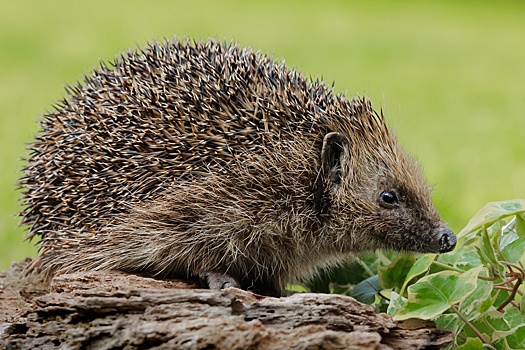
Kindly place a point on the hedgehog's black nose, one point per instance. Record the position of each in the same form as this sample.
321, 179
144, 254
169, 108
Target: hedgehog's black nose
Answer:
447, 240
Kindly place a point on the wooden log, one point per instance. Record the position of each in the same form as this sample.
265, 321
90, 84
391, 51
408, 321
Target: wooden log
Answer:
112, 310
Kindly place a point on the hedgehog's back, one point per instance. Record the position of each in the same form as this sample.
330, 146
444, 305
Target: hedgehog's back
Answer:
169, 114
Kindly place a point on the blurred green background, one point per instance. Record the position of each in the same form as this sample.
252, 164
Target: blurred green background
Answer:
449, 76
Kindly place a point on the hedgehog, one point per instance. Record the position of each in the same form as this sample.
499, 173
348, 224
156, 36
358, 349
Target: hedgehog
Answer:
206, 160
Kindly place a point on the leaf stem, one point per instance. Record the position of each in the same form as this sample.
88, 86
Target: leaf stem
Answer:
512, 295
517, 267
447, 267
519, 276
383, 297
470, 325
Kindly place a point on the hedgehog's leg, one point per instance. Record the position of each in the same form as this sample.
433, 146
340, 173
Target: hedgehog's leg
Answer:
219, 280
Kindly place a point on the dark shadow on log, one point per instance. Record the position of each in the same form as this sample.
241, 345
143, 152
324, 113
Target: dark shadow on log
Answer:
111, 310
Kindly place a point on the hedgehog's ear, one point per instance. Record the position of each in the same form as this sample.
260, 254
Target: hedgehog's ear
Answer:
331, 154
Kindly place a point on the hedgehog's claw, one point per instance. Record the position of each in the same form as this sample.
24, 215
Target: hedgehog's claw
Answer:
219, 280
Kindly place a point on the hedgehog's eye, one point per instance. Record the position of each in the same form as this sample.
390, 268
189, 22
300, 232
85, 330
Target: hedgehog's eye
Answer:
388, 199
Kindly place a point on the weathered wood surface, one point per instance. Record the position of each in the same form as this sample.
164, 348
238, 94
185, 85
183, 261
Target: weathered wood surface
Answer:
109, 310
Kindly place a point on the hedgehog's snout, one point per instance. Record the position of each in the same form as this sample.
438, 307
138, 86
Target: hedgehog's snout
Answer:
447, 240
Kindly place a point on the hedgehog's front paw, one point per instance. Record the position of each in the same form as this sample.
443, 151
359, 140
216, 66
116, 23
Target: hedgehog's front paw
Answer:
219, 280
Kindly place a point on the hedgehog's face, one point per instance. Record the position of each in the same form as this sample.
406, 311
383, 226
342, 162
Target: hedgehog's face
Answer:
381, 203
408, 221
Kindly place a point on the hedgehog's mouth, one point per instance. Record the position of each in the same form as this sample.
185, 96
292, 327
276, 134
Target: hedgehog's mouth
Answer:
438, 240
442, 240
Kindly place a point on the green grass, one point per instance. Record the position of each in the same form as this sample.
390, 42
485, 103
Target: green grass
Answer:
449, 76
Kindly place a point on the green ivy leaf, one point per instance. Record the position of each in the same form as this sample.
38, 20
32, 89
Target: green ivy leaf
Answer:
339, 279
495, 321
487, 253
396, 301
514, 318
493, 212
420, 267
514, 251
464, 257
474, 304
297, 288
503, 328
520, 225
513, 338
471, 344
487, 304
366, 290
394, 274
434, 294
447, 321
508, 234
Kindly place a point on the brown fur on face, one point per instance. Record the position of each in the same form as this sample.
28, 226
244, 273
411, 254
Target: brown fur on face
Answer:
190, 159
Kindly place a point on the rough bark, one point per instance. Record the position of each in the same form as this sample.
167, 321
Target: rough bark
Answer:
111, 310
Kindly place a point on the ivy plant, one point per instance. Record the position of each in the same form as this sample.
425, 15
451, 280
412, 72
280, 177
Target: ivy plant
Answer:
477, 291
